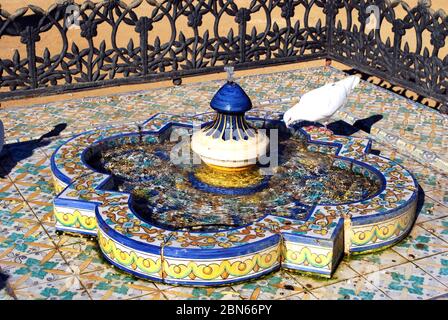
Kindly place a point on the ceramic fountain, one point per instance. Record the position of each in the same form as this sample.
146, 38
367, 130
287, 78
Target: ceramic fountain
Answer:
225, 220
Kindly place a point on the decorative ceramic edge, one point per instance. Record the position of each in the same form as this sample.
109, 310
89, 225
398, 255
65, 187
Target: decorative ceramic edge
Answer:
76, 215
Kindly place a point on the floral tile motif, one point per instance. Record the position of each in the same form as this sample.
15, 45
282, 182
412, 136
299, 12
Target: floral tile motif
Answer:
420, 243
407, 282
440, 195
84, 256
112, 284
428, 178
438, 227
191, 293
8, 191
24, 236
305, 295
343, 272
430, 210
54, 290
274, 286
15, 212
368, 263
44, 265
437, 266
27, 270
352, 289
22, 124
49, 145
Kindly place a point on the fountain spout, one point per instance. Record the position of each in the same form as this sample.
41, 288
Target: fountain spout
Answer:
230, 143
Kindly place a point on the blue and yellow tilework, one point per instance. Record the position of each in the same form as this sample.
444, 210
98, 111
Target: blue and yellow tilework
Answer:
44, 265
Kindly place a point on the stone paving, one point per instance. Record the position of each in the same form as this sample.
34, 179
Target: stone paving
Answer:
44, 265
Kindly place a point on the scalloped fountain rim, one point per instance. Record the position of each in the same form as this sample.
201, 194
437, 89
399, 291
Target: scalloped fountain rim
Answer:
237, 254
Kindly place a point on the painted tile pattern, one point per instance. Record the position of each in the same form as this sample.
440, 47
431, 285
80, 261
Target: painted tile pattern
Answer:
313, 244
401, 274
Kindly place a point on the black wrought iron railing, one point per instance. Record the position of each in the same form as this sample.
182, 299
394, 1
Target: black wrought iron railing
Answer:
113, 42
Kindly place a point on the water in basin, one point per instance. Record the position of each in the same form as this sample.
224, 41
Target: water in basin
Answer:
163, 194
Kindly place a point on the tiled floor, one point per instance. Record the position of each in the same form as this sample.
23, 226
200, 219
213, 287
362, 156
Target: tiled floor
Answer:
44, 265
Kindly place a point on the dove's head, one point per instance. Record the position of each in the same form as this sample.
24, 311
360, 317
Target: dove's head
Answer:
350, 83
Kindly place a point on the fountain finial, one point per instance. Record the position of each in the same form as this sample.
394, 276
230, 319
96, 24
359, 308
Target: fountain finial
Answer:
230, 73
230, 142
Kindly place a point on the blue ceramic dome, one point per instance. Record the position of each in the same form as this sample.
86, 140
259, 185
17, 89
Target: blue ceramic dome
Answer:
231, 98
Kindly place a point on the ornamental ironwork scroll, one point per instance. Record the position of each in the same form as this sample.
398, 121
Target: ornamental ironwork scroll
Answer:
201, 36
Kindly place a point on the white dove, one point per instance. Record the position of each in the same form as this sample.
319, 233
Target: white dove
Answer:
322, 103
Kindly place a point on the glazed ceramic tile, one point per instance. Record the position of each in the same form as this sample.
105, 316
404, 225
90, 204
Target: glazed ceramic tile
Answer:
431, 210
442, 297
440, 195
407, 282
367, 263
44, 265
343, 272
114, 284
438, 227
189, 293
15, 212
274, 286
84, 256
437, 266
48, 146
353, 289
25, 236
54, 290
31, 269
154, 295
420, 243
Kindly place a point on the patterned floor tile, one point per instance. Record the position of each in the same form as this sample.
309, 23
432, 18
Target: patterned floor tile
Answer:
156, 295
437, 266
45, 265
55, 290
431, 210
420, 243
14, 212
352, 289
300, 296
274, 286
22, 123
84, 256
113, 284
442, 297
438, 227
27, 270
367, 263
428, 178
24, 236
190, 293
49, 146
407, 282
440, 195
343, 272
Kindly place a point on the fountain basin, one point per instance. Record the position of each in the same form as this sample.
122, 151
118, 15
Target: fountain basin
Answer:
313, 240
